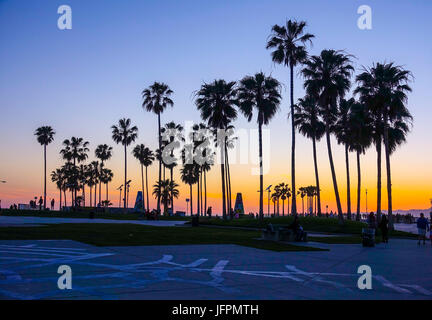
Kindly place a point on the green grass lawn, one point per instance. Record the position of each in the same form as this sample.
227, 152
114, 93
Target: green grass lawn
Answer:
137, 235
313, 224
80, 214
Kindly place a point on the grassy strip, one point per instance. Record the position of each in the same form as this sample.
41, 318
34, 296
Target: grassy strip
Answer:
314, 224
80, 214
137, 235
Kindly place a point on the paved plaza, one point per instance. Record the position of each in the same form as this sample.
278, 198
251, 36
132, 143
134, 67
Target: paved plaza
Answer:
28, 270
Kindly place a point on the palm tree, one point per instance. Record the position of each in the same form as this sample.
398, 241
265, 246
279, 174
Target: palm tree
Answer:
75, 150
44, 135
216, 103
189, 175
58, 178
95, 173
103, 152
343, 132
328, 78
362, 135
302, 192
263, 94
383, 88
289, 44
277, 194
283, 193
106, 177
174, 136
164, 189
145, 156
156, 99
82, 178
125, 134
311, 126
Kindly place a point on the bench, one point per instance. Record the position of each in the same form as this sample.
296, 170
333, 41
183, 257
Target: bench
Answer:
281, 233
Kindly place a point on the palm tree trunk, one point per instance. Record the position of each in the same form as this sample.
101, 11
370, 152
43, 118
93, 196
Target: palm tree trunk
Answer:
294, 202
65, 200
348, 183
283, 208
160, 161
228, 181
198, 195
60, 205
201, 192
100, 184
335, 186
223, 180
288, 213
378, 147
125, 179
45, 176
91, 190
142, 184
84, 197
318, 201
106, 184
95, 195
205, 190
172, 196
191, 200
358, 186
148, 205
261, 204
388, 171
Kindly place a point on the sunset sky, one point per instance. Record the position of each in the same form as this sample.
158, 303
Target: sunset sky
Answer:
82, 81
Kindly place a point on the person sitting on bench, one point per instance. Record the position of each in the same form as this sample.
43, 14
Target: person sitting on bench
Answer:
297, 229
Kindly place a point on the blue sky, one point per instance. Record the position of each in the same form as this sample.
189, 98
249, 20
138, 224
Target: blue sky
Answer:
81, 81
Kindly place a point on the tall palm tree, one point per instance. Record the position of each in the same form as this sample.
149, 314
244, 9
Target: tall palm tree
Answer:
75, 150
44, 135
156, 99
174, 137
216, 103
311, 126
328, 78
103, 152
362, 131
302, 192
124, 133
163, 189
145, 156
262, 93
289, 44
344, 135
383, 88
189, 175
283, 193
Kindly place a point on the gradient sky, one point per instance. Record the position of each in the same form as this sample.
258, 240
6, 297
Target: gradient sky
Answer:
81, 81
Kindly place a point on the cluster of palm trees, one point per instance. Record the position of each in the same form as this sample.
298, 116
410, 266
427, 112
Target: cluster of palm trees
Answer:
375, 114
74, 175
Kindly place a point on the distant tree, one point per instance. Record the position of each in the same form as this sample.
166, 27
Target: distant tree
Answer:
156, 99
262, 94
45, 135
289, 44
124, 134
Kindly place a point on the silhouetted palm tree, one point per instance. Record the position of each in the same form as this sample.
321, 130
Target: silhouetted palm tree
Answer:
344, 135
311, 126
362, 136
216, 103
103, 152
289, 44
124, 134
262, 93
58, 178
156, 99
164, 189
145, 156
189, 175
106, 177
45, 135
75, 150
174, 137
328, 78
383, 88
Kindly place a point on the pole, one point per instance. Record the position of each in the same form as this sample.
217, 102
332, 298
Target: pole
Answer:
366, 203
